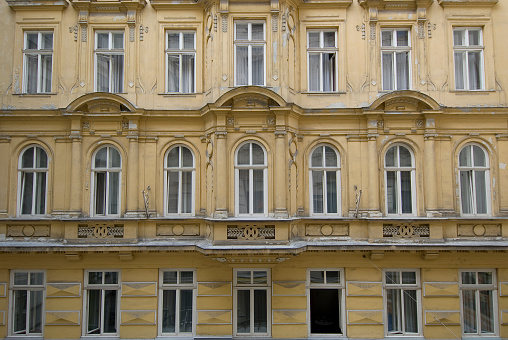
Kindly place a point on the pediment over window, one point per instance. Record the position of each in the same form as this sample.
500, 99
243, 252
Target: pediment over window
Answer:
109, 5
396, 4
468, 3
251, 97
404, 101
101, 103
38, 4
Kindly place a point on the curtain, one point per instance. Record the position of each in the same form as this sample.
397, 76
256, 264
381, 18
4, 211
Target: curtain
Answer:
486, 311
466, 191
173, 73
172, 190
402, 60
31, 61
405, 192
258, 186
186, 192
40, 192
46, 72
474, 70
27, 179
20, 304
35, 314
314, 74
258, 61
469, 311
410, 311
113, 192
117, 73
243, 191
317, 191
242, 65
387, 68
393, 308
331, 191
102, 72
328, 72
459, 70
188, 73
481, 192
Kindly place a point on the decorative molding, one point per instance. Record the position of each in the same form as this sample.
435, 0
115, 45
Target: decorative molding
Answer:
440, 318
135, 289
3, 289
504, 317
289, 288
29, 230
214, 289
440, 289
178, 230
2, 318
259, 259
479, 230
224, 17
363, 288
63, 318
468, 3
361, 28
406, 230
101, 231
251, 232
364, 317
64, 289
503, 288
215, 317
289, 316
327, 229
137, 317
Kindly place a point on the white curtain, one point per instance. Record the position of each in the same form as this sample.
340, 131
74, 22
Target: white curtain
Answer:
258, 59
242, 65
459, 58
387, 60
402, 60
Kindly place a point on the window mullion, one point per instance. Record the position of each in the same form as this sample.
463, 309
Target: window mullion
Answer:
28, 312
251, 297
177, 310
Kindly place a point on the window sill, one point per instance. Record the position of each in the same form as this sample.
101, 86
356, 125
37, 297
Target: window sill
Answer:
35, 95
470, 92
318, 93
175, 94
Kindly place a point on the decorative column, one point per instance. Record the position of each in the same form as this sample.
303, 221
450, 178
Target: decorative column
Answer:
429, 170
373, 191
133, 191
221, 176
280, 188
76, 170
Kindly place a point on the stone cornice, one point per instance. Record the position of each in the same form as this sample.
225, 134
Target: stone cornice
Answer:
37, 4
468, 3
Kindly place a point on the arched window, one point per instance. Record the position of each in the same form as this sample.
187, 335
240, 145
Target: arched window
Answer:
179, 177
106, 177
250, 180
474, 180
400, 181
33, 176
324, 181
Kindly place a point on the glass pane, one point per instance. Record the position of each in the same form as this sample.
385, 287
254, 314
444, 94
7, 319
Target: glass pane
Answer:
329, 39
172, 160
46, 73
32, 41
458, 37
314, 72
242, 31
243, 311
27, 181
469, 278
402, 38
485, 278
100, 193
393, 311
103, 64
174, 41
47, 41
173, 185
465, 156
115, 160
466, 191
103, 40
317, 276
260, 311
187, 159
110, 311
410, 311
486, 311
243, 192
259, 277
386, 38
40, 193
332, 276
111, 277
114, 193
243, 157
173, 72
387, 60
392, 278
474, 37
402, 60
258, 185
188, 62
170, 277
258, 155
95, 278
325, 311
94, 312
242, 65
35, 315
479, 156
405, 192
21, 279
330, 157
41, 159
186, 277
32, 67
331, 192
168, 311
188, 40
469, 311
474, 70
481, 192
36, 279
101, 158
186, 311
186, 207
391, 192
258, 31
317, 157
409, 278
243, 277
20, 310
27, 160
258, 68
117, 40
117, 73
317, 192
405, 157
328, 71
314, 39
460, 71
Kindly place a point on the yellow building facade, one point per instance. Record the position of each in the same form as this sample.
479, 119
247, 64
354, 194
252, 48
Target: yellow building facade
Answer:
283, 169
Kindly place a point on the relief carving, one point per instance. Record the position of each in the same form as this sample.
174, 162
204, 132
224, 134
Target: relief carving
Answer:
28, 230
178, 230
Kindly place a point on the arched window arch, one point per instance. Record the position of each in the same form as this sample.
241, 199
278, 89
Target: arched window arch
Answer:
179, 177
106, 179
400, 181
474, 180
324, 175
251, 180
33, 179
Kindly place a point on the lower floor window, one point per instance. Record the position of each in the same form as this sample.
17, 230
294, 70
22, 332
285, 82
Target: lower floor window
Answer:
28, 297
402, 302
102, 302
177, 301
325, 296
478, 298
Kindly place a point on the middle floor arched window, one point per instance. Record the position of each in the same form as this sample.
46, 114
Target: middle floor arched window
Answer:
324, 181
179, 179
400, 181
250, 180
106, 177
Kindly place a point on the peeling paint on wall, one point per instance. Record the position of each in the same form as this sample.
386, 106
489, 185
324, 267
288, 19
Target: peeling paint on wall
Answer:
502, 166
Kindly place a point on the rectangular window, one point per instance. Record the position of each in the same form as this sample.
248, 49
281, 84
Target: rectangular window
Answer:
396, 59
177, 302
326, 291
250, 46
478, 295
27, 302
102, 302
468, 58
37, 62
402, 301
181, 61
252, 301
109, 61
322, 60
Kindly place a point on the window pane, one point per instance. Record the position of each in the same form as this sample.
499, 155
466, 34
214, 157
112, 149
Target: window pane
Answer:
173, 73
332, 276
95, 278
330, 157
186, 207
41, 158
474, 69
402, 60
173, 158
242, 31
114, 192
460, 73
317, 191
474, 37
20, 305
21, 279
188, 40
27, 181
314, 39
328, 71
409, 278
100, 193
103, 40
94, 312
469, 311
243, 191
186, 311
259, 197
258, 155
103, 72
317, 276
392, 278
40, 193
110, 311
402, 38
168, 311
260, 311
484, 278
35, 315
465, 156
101, 158
258, 31
258, 70
466, 192
317, 157
187, 159
47, 41
32, 66
173, 183
458, 37
387, 60
188, 73
481, 192
242, 65
329, 39
386, 38
331, 192
243, 277
46, 72
314, 72
405, 157
186, 277
174, 41
391, 192
117, 40
115, 160
110, 277
393, 310
469, 278
32, 41
410, 311
27, 160
243, 157
479, 156
325, 311
259, 277
486, 311
170, 277
117, 73
243, 311
405, 192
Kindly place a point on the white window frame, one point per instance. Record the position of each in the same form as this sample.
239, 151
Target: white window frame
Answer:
102, 287
106, 170
393, 50
252, 287
180, 52
398, 169
468, 48
325, 169
477, 288
180, 169
21, 181
402, 287
321, 50
29, 288
340, 286
251, 167
39, 52
177, 287
473, 189
110, 51
250, 43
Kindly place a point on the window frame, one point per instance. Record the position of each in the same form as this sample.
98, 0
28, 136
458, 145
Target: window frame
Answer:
180, 169
473, 189
102, 287
21, 182
325, 169
107, 170
177, 287
341, 286
110, 51
398, 190
321, 50
393, 50
251, 167
251, 288
467, 48
249, 43
29, 288
39, 52
180, 52
402, 287
477, 287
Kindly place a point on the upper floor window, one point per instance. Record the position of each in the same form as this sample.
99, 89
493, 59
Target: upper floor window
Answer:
38, 62
250, 180
102, 302
468, 58
400, 181
109, 61
33, 177
180, 171
27, 302
181, 61
322, 60
324, 181
250, 45
478, 296
474, 180
106, 176
396, 59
